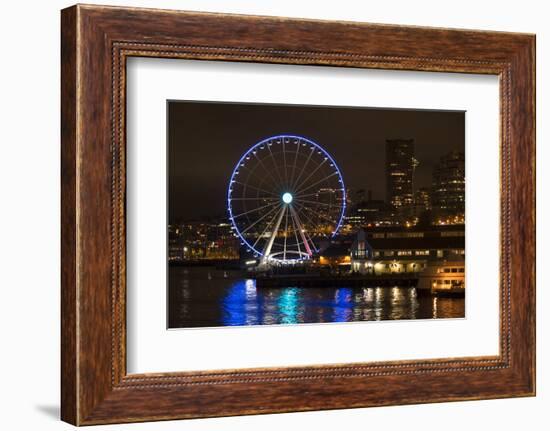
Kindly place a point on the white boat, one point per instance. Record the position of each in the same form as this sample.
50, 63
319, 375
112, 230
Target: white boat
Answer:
445, 278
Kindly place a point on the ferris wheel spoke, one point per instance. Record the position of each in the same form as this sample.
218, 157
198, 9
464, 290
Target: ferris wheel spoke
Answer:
311, 241
260, 182
245, 185
281, 182
317, 224
308, 218
267, 226
266, 169
286, 234
261, 179
301, 231
271, 211
304, 167
316, 203
296, 235
297, 196
315, 213
284, 163
269, 245
318, 182
297, 187
295, 160
254, 210
254, 199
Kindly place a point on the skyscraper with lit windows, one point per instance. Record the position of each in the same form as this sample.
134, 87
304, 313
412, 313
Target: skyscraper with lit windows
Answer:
400, 167
448, 194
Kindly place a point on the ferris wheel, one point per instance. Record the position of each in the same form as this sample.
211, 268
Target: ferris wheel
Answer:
286, 193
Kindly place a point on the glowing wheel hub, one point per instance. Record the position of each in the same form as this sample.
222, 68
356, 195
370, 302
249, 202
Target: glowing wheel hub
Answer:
287, 198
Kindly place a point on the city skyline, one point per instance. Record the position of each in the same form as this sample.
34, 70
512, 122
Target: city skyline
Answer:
201, 157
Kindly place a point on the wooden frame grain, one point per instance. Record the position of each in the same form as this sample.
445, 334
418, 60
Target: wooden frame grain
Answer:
95, 43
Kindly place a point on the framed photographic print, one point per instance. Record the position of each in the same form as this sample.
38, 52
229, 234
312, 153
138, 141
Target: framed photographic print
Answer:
257, 220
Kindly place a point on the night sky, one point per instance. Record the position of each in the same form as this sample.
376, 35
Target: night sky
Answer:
206, 140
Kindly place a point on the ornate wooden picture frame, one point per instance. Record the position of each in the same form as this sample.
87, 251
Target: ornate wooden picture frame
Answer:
96, 41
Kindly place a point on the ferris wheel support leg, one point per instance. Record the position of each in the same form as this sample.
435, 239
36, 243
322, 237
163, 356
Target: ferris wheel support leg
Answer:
269, 245
300, 229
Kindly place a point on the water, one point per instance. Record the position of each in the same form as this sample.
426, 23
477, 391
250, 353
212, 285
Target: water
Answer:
206, 297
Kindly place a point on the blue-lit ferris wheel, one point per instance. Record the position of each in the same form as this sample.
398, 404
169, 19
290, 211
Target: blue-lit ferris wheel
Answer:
285, 195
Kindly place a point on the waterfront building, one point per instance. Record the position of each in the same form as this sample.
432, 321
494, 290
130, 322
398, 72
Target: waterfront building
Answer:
398, 255
361, 254
405, 251
448, 195
428, 231
400, 167
336, 256
395, 250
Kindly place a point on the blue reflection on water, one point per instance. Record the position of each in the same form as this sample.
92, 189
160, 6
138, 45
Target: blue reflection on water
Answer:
343, 305
288, 305
204, 297
243, 305
240, 305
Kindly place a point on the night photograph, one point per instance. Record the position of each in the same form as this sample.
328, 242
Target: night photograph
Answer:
292, 214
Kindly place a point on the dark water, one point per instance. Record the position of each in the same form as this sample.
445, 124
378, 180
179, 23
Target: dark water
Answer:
205, 297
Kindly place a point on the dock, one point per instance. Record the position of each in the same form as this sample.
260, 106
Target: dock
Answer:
314, 280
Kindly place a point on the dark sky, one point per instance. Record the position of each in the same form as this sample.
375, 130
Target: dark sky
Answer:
206, 140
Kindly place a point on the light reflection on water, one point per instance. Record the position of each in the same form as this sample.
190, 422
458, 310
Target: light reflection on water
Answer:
203, 297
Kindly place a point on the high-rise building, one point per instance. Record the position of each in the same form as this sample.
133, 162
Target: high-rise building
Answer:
448, 182
422, 201
400, 167
370, 213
